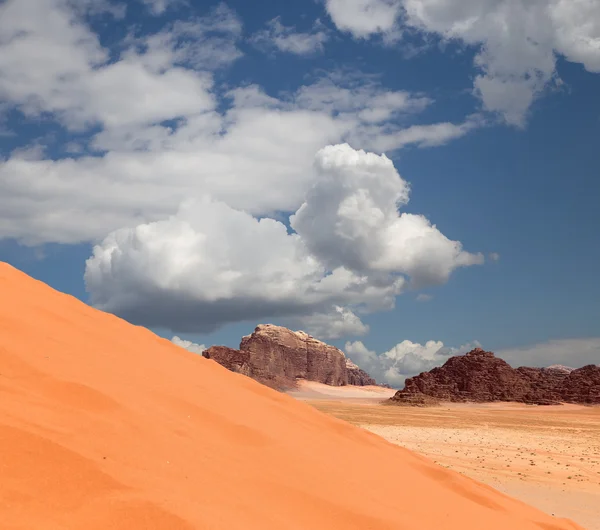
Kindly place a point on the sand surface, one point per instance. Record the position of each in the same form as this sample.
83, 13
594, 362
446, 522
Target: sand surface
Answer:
103, 425
548, 457
311, 390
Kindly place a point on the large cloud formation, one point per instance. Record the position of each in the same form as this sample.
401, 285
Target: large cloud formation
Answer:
518, 41
404, 360
350, 251
570, 352
149, 125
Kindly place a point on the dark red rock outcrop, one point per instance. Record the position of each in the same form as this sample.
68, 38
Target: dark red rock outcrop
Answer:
416, 399
544, 385
234, 360
481, 376
277, 357
582, 386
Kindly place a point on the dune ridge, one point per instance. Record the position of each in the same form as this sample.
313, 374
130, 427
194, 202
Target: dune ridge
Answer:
104, 425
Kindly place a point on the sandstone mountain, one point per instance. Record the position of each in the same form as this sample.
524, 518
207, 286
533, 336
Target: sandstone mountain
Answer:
357, 376
277, 357
481, 376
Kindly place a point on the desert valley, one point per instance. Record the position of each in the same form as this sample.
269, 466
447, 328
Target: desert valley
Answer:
105, 425
549, 457
533, 433
299, 265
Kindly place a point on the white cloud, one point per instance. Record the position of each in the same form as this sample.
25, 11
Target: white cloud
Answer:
202, 43
352, 95
154, 130
419, 135
158, 7
338, 323
50, 62
422, 297
211, 264
351, 218
162, 153
188, 345
568, 352
364, 18
405, 359
517, 40
239, 157
494, 256
287, 39
99, 7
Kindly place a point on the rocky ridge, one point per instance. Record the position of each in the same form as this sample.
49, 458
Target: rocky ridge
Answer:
480, 376
357, 376
278, 357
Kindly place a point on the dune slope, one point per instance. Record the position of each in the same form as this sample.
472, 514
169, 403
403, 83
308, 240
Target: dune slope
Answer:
104, 425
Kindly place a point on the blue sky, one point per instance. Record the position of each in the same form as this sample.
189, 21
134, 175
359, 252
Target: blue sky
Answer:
159, 131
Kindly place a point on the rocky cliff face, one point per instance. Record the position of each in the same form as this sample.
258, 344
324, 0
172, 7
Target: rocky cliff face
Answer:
277, 357
582, 386
358, 377
234, 360
481, 376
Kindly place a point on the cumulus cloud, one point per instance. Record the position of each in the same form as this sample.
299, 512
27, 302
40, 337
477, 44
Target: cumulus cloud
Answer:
350, 218
210, 264
423, 297
338, 323
364, 18
288, 39
568, 352
151, 127
157, 151
404, 360
188, 345
239, 157
517, 41
50, 62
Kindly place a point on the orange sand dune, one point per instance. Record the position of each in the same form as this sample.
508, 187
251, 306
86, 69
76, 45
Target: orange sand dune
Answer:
104, 425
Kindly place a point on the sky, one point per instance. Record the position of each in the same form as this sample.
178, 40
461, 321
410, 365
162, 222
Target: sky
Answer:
404, 179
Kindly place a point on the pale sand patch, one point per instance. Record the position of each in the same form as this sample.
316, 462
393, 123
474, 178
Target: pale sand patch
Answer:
548, 457
308, 390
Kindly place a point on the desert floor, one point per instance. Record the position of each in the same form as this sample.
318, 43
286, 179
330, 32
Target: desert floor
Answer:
548, 457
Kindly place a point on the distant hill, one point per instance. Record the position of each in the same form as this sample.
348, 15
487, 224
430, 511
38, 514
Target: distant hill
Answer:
277, 357
480, 376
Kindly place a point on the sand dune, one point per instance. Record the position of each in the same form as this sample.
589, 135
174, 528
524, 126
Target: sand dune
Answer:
104, 425
547, 456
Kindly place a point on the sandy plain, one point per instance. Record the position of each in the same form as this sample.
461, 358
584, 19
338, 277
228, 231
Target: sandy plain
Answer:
548, 457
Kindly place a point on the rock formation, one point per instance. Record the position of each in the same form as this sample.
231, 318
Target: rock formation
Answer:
413, 399
357, 376
234, 360
481, 376
277, 357
582, 386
